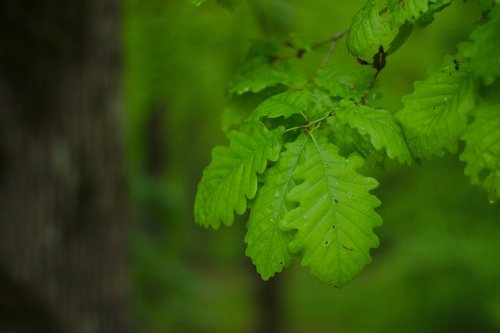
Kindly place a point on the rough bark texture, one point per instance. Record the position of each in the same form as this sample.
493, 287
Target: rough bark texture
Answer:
62, 193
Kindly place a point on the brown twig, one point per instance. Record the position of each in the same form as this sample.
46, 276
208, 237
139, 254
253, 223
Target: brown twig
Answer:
300, 52
378, 64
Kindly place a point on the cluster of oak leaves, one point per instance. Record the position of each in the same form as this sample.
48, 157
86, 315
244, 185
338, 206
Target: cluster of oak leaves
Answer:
296, 139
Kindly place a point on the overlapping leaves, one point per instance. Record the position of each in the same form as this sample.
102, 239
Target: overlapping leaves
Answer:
293, 160
379, 125
331, 196
274, 236
267, 243
335, 217
265, 67
276, 182
231, 177
388, 22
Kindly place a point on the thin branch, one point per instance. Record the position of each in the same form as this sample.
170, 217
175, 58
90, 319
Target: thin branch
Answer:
333, 38
333, 44
328, 54
300, 52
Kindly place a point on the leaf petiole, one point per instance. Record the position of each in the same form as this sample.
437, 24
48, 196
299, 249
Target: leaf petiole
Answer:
311, 123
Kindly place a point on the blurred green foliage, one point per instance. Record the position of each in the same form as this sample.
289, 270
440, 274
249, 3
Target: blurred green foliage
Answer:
437, 267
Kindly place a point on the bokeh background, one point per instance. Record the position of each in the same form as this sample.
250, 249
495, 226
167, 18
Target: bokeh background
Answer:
96, 218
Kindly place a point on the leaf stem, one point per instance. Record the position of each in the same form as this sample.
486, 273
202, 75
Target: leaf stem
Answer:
369, 89
311, 123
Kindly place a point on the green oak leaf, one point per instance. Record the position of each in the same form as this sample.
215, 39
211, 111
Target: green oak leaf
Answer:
335, 218
231, 177
343, 136
484, 51
345, 82
284, 105
482, 149
402, 11
435, 113
266, 66
378, 22
379, 125
267, 244
368, 30
260, 73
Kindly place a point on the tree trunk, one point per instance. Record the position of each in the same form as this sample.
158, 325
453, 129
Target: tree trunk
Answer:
63, 220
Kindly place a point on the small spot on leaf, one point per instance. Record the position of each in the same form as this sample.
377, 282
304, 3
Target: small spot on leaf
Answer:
347, 248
